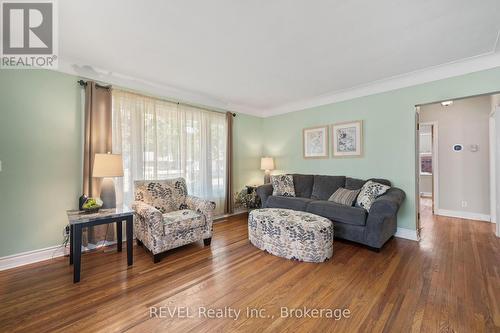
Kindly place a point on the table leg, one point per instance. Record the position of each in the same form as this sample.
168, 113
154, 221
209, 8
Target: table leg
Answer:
119, 239
77, 252
71, 242
130, 236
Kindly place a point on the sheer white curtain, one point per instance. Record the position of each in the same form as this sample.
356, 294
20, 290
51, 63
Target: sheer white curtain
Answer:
160, 139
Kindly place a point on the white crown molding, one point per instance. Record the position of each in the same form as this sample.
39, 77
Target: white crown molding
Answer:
149, 87
452, 69
409, 234
464, 215
448, 70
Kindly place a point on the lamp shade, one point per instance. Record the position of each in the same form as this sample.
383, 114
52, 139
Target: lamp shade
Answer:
267, 163
107, 165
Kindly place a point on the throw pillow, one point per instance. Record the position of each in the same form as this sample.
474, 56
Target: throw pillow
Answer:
369, 192
344, 196
283, 185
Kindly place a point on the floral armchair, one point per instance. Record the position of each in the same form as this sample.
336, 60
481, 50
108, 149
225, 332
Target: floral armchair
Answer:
167, 217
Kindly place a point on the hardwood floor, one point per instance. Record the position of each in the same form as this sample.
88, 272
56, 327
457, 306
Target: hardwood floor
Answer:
449, 282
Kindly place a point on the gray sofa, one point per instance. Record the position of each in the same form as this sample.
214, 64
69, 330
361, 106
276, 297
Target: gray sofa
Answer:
372, 228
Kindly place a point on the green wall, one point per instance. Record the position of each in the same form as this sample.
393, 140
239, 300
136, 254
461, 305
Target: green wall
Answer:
41, 153
41, 140
247, 150
40, 150
389, 135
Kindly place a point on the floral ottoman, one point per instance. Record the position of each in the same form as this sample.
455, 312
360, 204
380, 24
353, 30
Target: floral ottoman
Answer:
291, 234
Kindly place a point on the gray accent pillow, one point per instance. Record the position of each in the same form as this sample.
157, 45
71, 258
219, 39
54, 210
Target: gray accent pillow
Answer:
283, 185
369, 193
344, 196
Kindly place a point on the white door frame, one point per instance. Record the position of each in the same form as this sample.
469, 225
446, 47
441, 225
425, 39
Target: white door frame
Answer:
493, 191
435, 163
496, 117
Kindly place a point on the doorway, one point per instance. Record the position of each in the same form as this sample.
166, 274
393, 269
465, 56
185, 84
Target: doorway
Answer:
428, 165
453, 157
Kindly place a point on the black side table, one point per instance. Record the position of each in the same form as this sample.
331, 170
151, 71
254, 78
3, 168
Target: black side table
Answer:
78, 220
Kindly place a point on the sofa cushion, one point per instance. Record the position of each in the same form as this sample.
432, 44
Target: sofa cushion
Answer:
294, 203
356, 184
325, 186
283, 185
337, 212
182, 220
303, 185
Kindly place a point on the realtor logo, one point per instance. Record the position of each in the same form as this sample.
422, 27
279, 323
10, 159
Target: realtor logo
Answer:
28, 34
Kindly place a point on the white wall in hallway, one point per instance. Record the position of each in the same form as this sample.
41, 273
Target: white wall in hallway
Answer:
463, 176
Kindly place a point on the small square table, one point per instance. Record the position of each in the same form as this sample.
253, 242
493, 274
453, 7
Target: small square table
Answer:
80, 219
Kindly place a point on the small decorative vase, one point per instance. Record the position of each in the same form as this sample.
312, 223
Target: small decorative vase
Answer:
81, 201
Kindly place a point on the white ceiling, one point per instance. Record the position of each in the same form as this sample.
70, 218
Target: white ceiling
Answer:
266, 57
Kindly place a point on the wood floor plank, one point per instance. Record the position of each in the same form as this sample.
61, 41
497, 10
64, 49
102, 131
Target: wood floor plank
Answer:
449, 281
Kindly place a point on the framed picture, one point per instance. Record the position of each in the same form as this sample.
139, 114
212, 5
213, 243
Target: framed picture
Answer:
315, 142
348, 139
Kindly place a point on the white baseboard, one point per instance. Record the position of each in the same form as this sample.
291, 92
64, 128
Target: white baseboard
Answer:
30, 257
225, 216
463, 215
406, 234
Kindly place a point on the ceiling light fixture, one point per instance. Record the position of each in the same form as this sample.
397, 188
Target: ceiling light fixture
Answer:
446, 103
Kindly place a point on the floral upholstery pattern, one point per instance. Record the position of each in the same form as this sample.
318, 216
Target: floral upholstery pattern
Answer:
291, 234
167, 217
369, 192
165, 195
181, 220
283, 185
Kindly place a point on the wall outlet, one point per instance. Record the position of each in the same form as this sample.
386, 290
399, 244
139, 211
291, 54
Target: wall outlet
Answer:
66, 231
464, 204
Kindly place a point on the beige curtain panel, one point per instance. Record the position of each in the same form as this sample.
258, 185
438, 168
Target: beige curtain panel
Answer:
97, 139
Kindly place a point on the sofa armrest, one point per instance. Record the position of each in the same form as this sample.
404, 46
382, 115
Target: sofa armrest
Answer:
389, 203
149, 218
381, 222
264, 191
205, 207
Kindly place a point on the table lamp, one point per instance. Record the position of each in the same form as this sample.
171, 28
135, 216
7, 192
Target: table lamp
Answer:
267, 164
107, 166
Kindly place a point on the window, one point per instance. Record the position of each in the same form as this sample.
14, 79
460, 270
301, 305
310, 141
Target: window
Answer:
160, 139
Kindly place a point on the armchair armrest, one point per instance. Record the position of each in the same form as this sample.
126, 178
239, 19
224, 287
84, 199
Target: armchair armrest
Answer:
149, 218
264, 191
205, 207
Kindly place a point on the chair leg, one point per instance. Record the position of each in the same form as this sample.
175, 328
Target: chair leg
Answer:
156, 258
207, 241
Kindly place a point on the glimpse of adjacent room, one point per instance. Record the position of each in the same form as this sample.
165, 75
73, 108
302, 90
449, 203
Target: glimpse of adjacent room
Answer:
456, 159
